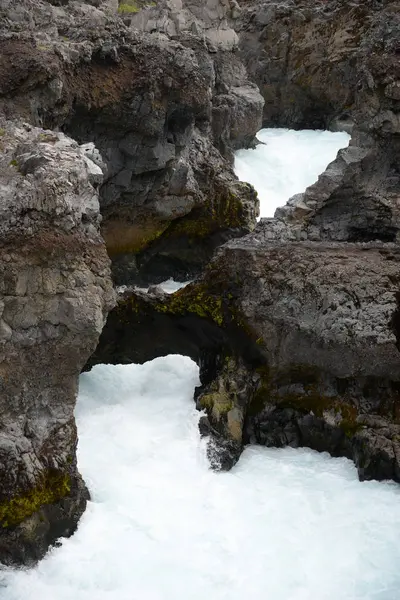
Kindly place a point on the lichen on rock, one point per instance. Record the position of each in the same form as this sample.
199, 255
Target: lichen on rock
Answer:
53, 487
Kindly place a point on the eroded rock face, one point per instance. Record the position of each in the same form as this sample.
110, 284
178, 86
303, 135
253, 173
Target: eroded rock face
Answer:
55, 293
295, 327
165, 105
312, 293
321, 63
166, 109
328, 332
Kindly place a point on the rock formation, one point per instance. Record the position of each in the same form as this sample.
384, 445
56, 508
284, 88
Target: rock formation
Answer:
54, 297
297, 344
333, 64
165, 109
322, 63
295, 326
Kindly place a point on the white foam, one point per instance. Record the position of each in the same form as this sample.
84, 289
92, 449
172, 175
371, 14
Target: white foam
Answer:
169, 286
286, 163
282, 525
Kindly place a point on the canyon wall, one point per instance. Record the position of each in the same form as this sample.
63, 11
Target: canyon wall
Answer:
136, 114
155, 115
55, 294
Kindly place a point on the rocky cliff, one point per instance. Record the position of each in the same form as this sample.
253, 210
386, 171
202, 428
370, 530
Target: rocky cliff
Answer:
297, 344
164, 106
166, 103
333, 64
322, 63
55, 293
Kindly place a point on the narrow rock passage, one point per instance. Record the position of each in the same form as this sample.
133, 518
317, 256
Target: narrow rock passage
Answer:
283, 524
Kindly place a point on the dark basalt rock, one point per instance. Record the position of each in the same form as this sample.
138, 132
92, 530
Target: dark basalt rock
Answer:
164, 107
319, 63
296, 344
28, 541
55, 293
323, 369
295, 326
333, 65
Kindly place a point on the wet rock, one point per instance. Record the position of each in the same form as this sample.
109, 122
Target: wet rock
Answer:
295, 327
225, 399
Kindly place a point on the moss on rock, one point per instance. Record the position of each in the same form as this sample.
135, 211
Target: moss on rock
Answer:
131, 238
197, 300
53, 487
218, 402
224, 398
133, 6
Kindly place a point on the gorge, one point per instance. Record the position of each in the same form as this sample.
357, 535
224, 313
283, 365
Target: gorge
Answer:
135, 114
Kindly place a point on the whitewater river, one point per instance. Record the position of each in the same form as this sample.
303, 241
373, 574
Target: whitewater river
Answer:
286, 162
282, 525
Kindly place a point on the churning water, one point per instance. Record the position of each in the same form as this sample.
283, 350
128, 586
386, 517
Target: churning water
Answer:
282, 525
286, 162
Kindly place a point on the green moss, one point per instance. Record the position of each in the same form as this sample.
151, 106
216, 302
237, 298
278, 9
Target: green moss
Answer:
13, 163
126, 8
129, 6
193, 299
197, 300
48, 137
133, 6
2, 132
218, 403
52, 488
207, 299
